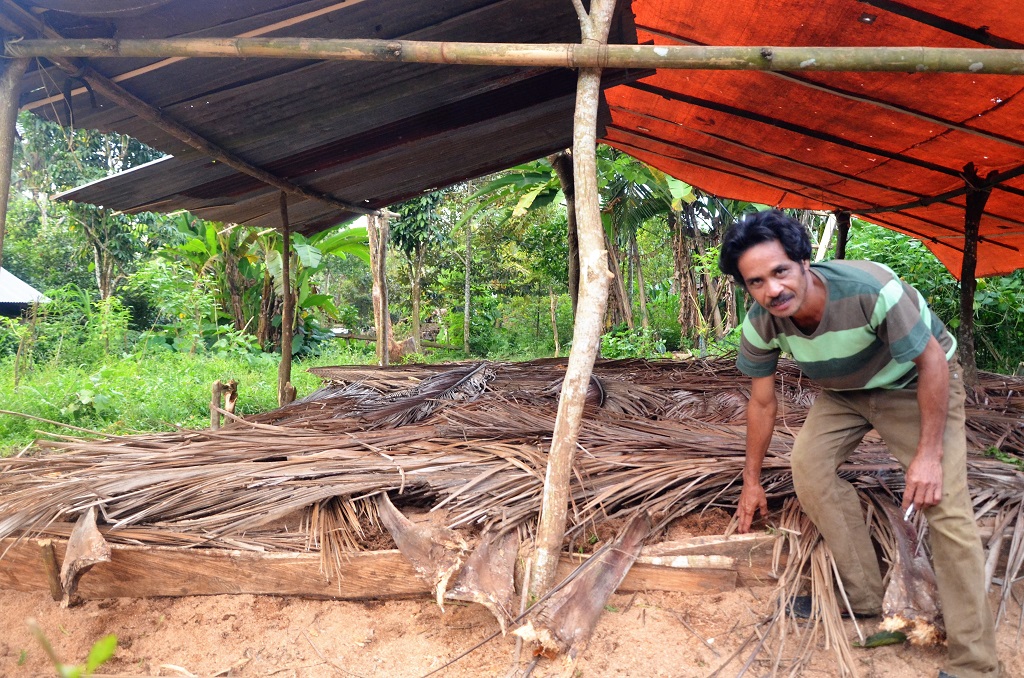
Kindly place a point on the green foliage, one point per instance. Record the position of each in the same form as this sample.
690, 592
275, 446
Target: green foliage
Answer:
998, 301
101, 652
149, 390
622, 342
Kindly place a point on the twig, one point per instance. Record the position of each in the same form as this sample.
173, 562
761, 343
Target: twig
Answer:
689, 628
57, 423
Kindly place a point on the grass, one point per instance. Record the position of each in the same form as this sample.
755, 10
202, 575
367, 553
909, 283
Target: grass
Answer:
146, 392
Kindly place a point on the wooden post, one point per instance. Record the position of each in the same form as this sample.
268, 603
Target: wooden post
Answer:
52, 569
976, 199
594, 284
562, 162
377, 229
11, 71
843, 226
216, 397
467, 288
285, 390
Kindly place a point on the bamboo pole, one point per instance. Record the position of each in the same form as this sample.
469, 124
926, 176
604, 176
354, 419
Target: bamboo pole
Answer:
10, 83
285, 390
594, 285
551, 55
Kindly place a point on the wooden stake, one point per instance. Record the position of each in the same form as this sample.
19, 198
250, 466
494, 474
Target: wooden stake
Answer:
285, 390
976, 199
592, 55
10, 85
594, 284
217, 393
52, 569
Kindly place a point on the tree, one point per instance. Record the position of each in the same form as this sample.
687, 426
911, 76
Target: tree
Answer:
416, 230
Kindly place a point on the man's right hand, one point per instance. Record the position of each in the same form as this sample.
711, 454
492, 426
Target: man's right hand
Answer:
752, 500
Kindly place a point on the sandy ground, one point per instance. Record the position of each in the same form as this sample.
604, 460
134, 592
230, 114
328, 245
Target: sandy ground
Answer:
640, 634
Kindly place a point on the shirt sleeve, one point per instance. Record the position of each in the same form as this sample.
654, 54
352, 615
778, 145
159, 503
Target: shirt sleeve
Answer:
758, 357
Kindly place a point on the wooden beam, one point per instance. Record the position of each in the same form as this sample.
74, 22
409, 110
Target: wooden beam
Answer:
758, 58
149, 571
595, 280
10, 84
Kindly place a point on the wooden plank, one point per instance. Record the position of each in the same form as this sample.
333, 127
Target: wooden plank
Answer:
148, 571
752, 553
648, 577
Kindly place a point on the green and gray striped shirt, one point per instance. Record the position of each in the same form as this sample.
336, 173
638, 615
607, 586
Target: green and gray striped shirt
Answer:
872, 328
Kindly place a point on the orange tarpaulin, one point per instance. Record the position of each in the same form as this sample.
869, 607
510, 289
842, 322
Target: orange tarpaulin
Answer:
827, 140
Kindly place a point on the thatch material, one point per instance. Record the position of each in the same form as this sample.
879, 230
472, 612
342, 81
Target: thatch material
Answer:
470, 441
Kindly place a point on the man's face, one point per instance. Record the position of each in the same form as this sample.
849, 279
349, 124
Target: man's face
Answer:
774, 280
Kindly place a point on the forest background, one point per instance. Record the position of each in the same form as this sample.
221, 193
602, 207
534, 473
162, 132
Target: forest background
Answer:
146, 311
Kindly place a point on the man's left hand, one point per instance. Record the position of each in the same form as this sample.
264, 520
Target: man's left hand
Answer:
924, 482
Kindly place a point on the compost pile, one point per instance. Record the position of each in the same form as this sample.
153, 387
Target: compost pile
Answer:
661, 438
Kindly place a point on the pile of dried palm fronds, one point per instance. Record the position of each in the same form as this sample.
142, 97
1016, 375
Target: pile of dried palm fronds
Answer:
664, 438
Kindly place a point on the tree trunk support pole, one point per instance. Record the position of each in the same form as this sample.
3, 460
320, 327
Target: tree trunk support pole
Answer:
377, 229
594, 284
11, 71
843, 226
976, 199
285, 390
562, 164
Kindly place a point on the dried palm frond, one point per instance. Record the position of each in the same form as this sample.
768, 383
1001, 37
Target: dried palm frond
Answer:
666, 438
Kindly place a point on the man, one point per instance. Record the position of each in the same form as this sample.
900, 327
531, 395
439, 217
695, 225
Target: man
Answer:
884, 361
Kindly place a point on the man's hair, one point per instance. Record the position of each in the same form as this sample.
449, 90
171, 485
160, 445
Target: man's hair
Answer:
758, 228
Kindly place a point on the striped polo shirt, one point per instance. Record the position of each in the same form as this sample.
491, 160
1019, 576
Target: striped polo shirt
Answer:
873, 326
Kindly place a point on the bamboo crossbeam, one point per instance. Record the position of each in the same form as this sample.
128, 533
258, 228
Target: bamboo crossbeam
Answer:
764, 58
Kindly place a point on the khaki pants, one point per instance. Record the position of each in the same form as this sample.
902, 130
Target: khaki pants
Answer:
835, 426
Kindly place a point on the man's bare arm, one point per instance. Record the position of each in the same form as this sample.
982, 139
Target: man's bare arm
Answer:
924, 475
761, 411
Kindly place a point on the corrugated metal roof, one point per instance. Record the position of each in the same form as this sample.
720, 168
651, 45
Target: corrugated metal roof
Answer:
374, 133
368, 134
13, 290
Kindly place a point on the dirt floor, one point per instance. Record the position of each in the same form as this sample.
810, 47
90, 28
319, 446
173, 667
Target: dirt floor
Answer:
639, 635
644, 634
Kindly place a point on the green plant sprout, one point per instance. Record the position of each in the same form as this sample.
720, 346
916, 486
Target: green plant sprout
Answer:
100, 653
